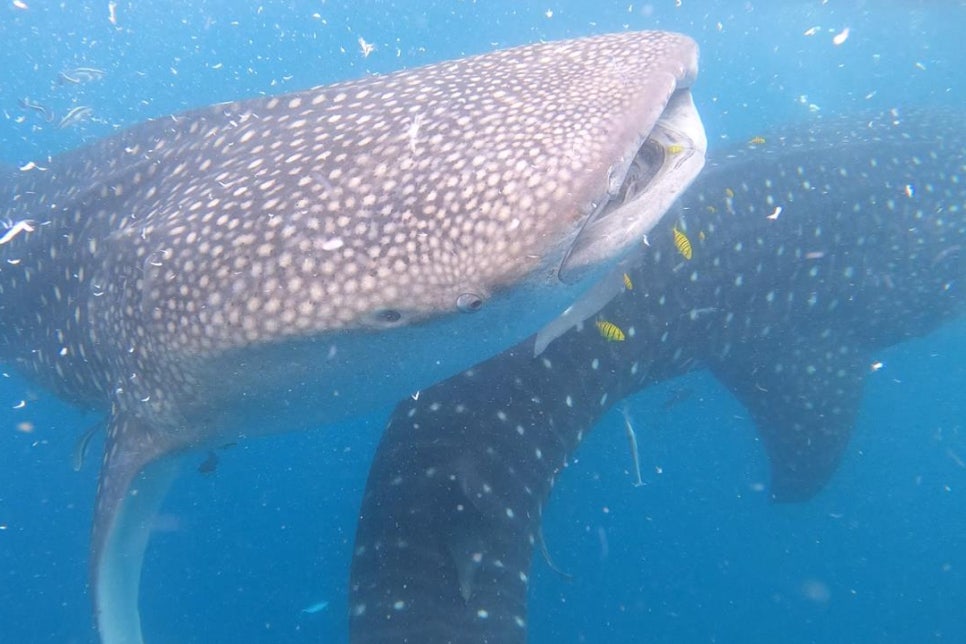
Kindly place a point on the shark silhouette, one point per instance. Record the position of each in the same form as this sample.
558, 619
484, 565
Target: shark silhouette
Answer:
288, 262
781, 271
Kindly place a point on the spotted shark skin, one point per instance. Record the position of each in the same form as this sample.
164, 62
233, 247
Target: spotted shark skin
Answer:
809, 253
284, 263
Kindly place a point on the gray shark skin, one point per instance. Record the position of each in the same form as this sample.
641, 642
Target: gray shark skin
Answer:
284, 263
809, 253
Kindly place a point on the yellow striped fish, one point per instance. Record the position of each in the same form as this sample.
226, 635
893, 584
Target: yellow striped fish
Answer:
628, 284
610, 331
757, 140
682, 243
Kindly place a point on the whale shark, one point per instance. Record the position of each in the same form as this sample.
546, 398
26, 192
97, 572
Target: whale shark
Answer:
289, 262
790, 261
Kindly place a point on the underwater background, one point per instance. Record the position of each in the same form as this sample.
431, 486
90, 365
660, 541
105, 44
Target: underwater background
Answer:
698, 554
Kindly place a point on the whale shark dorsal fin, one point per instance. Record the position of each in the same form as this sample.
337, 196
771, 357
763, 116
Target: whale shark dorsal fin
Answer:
135, 475
804, 396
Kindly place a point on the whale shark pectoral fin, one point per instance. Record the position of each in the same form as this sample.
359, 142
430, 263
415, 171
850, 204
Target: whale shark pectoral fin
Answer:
133, 481
803, 395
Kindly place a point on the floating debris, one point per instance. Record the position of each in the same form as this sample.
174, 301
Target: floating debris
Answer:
80, 75
23, 226
316, 607
635, 455
81, 446
542, 543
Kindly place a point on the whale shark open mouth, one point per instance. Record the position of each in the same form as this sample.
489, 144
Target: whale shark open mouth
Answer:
641, 189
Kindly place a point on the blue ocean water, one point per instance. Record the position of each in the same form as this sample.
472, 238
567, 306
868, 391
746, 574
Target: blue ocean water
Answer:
698, 554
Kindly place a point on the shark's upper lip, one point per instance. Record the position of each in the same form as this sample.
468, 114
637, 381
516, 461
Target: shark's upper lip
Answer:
642, 186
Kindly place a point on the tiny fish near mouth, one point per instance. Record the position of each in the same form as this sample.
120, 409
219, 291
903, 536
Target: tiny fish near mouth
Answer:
283, 263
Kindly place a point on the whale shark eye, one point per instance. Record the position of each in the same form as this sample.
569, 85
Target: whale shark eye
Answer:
469, 302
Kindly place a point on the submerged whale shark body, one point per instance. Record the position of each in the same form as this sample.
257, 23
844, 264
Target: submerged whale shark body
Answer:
784, 268
287, 262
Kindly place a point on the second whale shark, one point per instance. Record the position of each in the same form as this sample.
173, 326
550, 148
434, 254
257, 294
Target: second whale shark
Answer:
786, 266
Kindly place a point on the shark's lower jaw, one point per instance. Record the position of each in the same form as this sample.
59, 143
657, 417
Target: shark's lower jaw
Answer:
801, 261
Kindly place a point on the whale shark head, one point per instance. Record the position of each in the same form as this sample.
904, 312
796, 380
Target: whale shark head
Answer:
286, 262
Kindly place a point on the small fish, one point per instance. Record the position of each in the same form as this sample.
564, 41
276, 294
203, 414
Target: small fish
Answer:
316, 607
675, 148
610, 331
209, 465
75, 116
757, 140
701, 235
43, 110
729, 193
682, 243
628, 284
